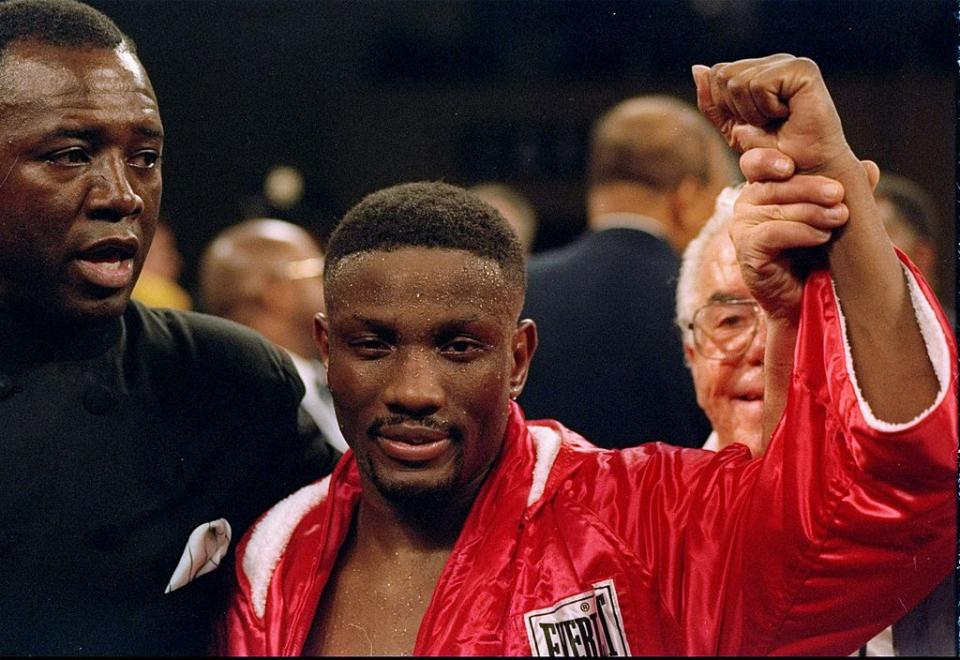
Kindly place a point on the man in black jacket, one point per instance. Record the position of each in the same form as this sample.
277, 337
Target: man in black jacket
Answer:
136, 442
656, 166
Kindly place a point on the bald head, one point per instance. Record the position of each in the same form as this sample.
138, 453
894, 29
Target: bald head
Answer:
658, 156
654, 140
266, 274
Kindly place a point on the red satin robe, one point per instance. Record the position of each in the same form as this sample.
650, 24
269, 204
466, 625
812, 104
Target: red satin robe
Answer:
841, 527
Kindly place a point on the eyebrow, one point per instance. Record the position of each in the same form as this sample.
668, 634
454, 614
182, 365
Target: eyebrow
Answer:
88, 135
372, 324
148, 131
96, 134
446, 327
720, 296
466, 319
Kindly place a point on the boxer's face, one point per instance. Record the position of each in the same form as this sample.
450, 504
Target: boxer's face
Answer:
423, 354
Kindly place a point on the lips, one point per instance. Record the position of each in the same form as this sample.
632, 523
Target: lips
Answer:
412, 444
108, 263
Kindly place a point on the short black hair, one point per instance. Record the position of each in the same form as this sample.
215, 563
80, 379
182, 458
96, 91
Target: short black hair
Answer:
428, 214
65, 23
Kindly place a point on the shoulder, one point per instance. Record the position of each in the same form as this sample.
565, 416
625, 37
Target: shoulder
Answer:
597, 475
211, 346
263, 548
614, 250
560, 257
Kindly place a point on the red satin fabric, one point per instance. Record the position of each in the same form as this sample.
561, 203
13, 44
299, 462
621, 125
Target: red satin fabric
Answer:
812, 549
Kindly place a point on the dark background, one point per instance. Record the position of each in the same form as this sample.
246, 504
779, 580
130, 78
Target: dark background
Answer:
364, 94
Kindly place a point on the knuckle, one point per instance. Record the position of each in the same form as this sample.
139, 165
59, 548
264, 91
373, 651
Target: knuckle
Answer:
764, 190
745, 197
738, 84
809, 65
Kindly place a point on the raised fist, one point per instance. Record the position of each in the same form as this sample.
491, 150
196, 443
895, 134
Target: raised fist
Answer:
779, 101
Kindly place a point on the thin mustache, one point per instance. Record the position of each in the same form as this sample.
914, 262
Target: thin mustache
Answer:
454, 433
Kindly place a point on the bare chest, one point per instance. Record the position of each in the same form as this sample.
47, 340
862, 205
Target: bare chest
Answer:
374, 610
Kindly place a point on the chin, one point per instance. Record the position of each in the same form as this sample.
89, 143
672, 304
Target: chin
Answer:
106, 308
82, 311
411, 487
417, 495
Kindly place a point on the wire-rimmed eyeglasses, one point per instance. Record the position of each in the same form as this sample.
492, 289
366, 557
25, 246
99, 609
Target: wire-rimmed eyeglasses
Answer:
724, 330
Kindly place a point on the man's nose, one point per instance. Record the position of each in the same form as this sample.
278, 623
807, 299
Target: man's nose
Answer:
415, 386
111, 195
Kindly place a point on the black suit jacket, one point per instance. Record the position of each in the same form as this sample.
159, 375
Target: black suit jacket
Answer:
118, 441
610, 362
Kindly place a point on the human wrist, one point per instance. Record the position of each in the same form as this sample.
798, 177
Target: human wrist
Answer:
781, 341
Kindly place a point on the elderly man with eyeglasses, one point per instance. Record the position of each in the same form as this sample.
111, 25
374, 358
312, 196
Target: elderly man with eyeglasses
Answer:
724, 337
723, 333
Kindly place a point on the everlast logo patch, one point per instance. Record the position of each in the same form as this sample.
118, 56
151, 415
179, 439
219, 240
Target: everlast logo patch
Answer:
585, 625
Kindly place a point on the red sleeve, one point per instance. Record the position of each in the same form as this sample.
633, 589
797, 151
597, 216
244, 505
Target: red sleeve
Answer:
839, 529
850, 523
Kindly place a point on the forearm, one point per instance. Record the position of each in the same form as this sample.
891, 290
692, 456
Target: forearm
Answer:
778, 362
889, 355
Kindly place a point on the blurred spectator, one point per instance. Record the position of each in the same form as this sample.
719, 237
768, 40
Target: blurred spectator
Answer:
268, 275
728, 377
712, 294
910, 217
514, 207
655, 168
158, 284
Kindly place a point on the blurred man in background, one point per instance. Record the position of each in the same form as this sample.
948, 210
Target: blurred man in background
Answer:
724, 334
655, 168
268, 275
909, 216
724, 338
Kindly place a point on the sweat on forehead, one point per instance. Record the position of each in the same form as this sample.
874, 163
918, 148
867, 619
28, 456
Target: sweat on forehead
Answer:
421, 274
428, 215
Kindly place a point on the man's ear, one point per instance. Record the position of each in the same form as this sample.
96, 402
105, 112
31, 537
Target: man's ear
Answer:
524, 346
873, 172
321, 336
688, 353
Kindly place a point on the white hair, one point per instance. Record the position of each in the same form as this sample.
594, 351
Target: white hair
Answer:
692, 260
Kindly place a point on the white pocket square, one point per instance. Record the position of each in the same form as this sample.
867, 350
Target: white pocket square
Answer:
206, 546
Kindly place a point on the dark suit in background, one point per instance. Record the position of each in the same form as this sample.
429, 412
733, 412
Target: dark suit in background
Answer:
609, 362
